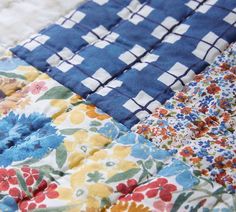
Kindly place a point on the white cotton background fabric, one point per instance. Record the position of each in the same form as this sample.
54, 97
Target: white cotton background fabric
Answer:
21, 18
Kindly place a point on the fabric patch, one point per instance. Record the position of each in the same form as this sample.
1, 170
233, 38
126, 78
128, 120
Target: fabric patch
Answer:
198, 124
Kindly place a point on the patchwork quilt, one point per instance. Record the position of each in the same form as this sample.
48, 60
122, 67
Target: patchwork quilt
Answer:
118, 105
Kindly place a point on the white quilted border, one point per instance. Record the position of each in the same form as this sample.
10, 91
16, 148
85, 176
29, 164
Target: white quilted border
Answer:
21, 18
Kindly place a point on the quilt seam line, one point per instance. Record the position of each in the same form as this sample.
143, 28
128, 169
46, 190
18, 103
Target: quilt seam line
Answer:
151, 48
117, 24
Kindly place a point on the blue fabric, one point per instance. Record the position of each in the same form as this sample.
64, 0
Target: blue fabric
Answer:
26, 136
128, 57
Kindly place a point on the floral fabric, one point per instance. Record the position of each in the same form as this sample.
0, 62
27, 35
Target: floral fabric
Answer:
198, 124
60, 153
164, 194
45, 129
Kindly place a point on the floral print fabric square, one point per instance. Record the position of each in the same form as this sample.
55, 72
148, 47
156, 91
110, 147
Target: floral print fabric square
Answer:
198, 124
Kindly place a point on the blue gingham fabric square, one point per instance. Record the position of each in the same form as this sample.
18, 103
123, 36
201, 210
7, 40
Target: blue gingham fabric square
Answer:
128, 57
